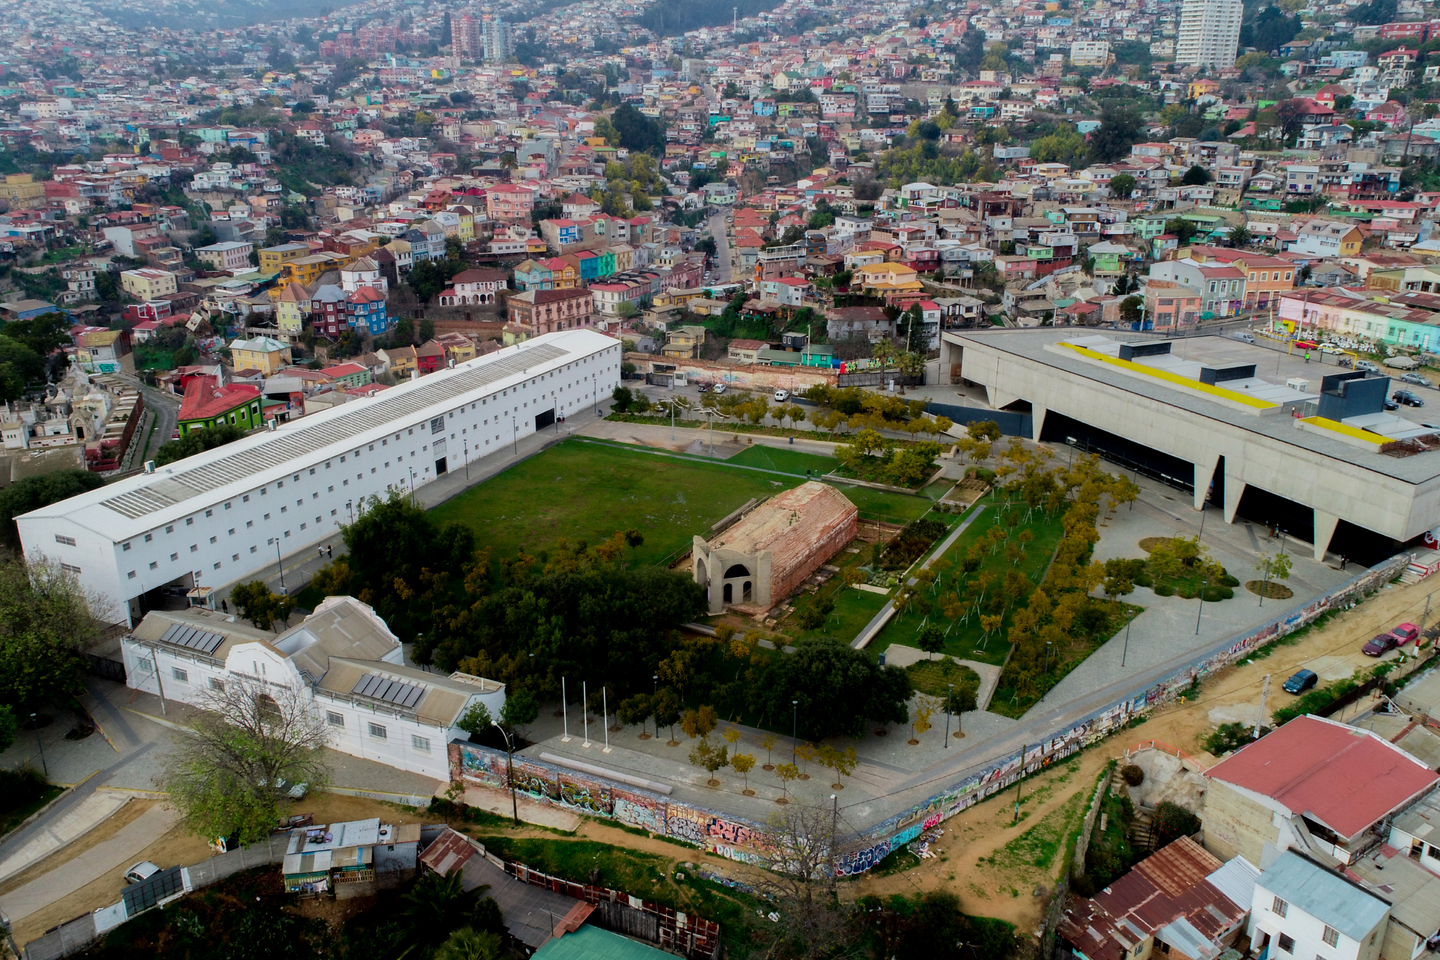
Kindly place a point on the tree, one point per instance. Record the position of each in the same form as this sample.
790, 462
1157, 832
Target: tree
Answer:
469, 944
44, 624
798, 880
476, 720
622, 398
741, 763
1196, 176
1131, 308
768, 742
1182, 229
8, 726
838, 689
1065, 146
931, 639
710, 758
256, 603
1122, 185
520, 709
635, 131
1239, 236
197, 441
32, 493
786, 772
636, 709
937, 929
438, 905
1171, 822
1119, 129
246, 748
667, 712
699, 723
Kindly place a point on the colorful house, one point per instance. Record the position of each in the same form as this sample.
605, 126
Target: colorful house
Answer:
365, 311
265, 354
209, 402
533, 275
290, 309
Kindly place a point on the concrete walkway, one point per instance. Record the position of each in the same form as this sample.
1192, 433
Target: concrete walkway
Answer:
116, 853
899, 655
55, 834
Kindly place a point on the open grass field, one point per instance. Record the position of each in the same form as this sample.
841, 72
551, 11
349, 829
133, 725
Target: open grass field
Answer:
587, 491
784, 460
582, 490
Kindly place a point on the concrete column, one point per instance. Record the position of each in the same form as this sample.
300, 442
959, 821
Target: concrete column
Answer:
1325, 524
1037, 421
1233, 490
1204, 471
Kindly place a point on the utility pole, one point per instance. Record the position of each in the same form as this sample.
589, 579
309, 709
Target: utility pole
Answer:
1260, 717
1019, 780
834, 830
1419, 636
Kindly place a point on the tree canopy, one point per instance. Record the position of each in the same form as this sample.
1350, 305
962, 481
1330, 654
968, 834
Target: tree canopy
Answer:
44, 624
838, 689
32, 493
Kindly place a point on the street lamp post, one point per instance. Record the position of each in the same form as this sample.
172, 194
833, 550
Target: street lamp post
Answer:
349, 508
948, 694
510, 771
41, 744
280, 564
1126, 652
794, 729
515, 436
467, 459
1047, 659
412, 486
654, 690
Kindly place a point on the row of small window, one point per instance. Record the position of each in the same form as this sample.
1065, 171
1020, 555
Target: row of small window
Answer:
378, 731
1280, 908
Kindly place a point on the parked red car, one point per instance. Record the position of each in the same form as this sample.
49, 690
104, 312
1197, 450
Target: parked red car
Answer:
1380, 644
1405, 633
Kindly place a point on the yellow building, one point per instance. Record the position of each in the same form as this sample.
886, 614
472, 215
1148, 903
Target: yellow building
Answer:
306, 270
273, 259
265, 354
886, 278
466, 232
290, 310
22, 192
147, 284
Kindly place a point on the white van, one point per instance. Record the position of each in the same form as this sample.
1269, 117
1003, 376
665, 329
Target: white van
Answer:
781, 396
1244, 335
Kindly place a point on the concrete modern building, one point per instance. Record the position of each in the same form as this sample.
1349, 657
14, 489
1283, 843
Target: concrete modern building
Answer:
342, 657
222, 515
1315, 456
765, 557
1209, 33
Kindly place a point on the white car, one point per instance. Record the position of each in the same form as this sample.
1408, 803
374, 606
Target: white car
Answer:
781, 396
718, 388
143, 870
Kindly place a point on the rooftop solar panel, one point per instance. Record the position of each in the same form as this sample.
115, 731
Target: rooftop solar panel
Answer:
398, 692
185, 635
168, 490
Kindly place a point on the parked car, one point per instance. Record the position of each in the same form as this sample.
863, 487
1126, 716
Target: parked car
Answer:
718, 388
1301, 681
1416, 379
1407, 398
1367, 366
143, 870
1391, 405
1244, 335
1379, 644
1331, 349
781, 396
1405, 633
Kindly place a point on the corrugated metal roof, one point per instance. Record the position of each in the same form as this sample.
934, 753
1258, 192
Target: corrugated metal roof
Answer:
1312, 889
1236, 879
1347, 779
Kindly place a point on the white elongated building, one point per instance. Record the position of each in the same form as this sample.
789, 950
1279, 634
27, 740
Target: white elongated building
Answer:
223, 515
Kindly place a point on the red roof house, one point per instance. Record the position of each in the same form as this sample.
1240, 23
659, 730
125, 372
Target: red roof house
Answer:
1313, 784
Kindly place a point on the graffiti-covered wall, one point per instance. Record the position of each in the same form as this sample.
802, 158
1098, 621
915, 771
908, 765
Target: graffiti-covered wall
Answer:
743, 840
717, 833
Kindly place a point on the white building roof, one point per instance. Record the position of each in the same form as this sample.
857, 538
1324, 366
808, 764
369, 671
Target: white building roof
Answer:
135, 505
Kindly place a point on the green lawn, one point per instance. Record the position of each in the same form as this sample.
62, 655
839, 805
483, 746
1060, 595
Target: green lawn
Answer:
965, 637
785, 460
583, 490
587, 491
853, 610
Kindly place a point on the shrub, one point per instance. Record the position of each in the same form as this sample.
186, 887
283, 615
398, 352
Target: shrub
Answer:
1083, 886
1228, 737
1214, 594
1164, 590
1229, 581
1132, 774
1186, 591
1171, 822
